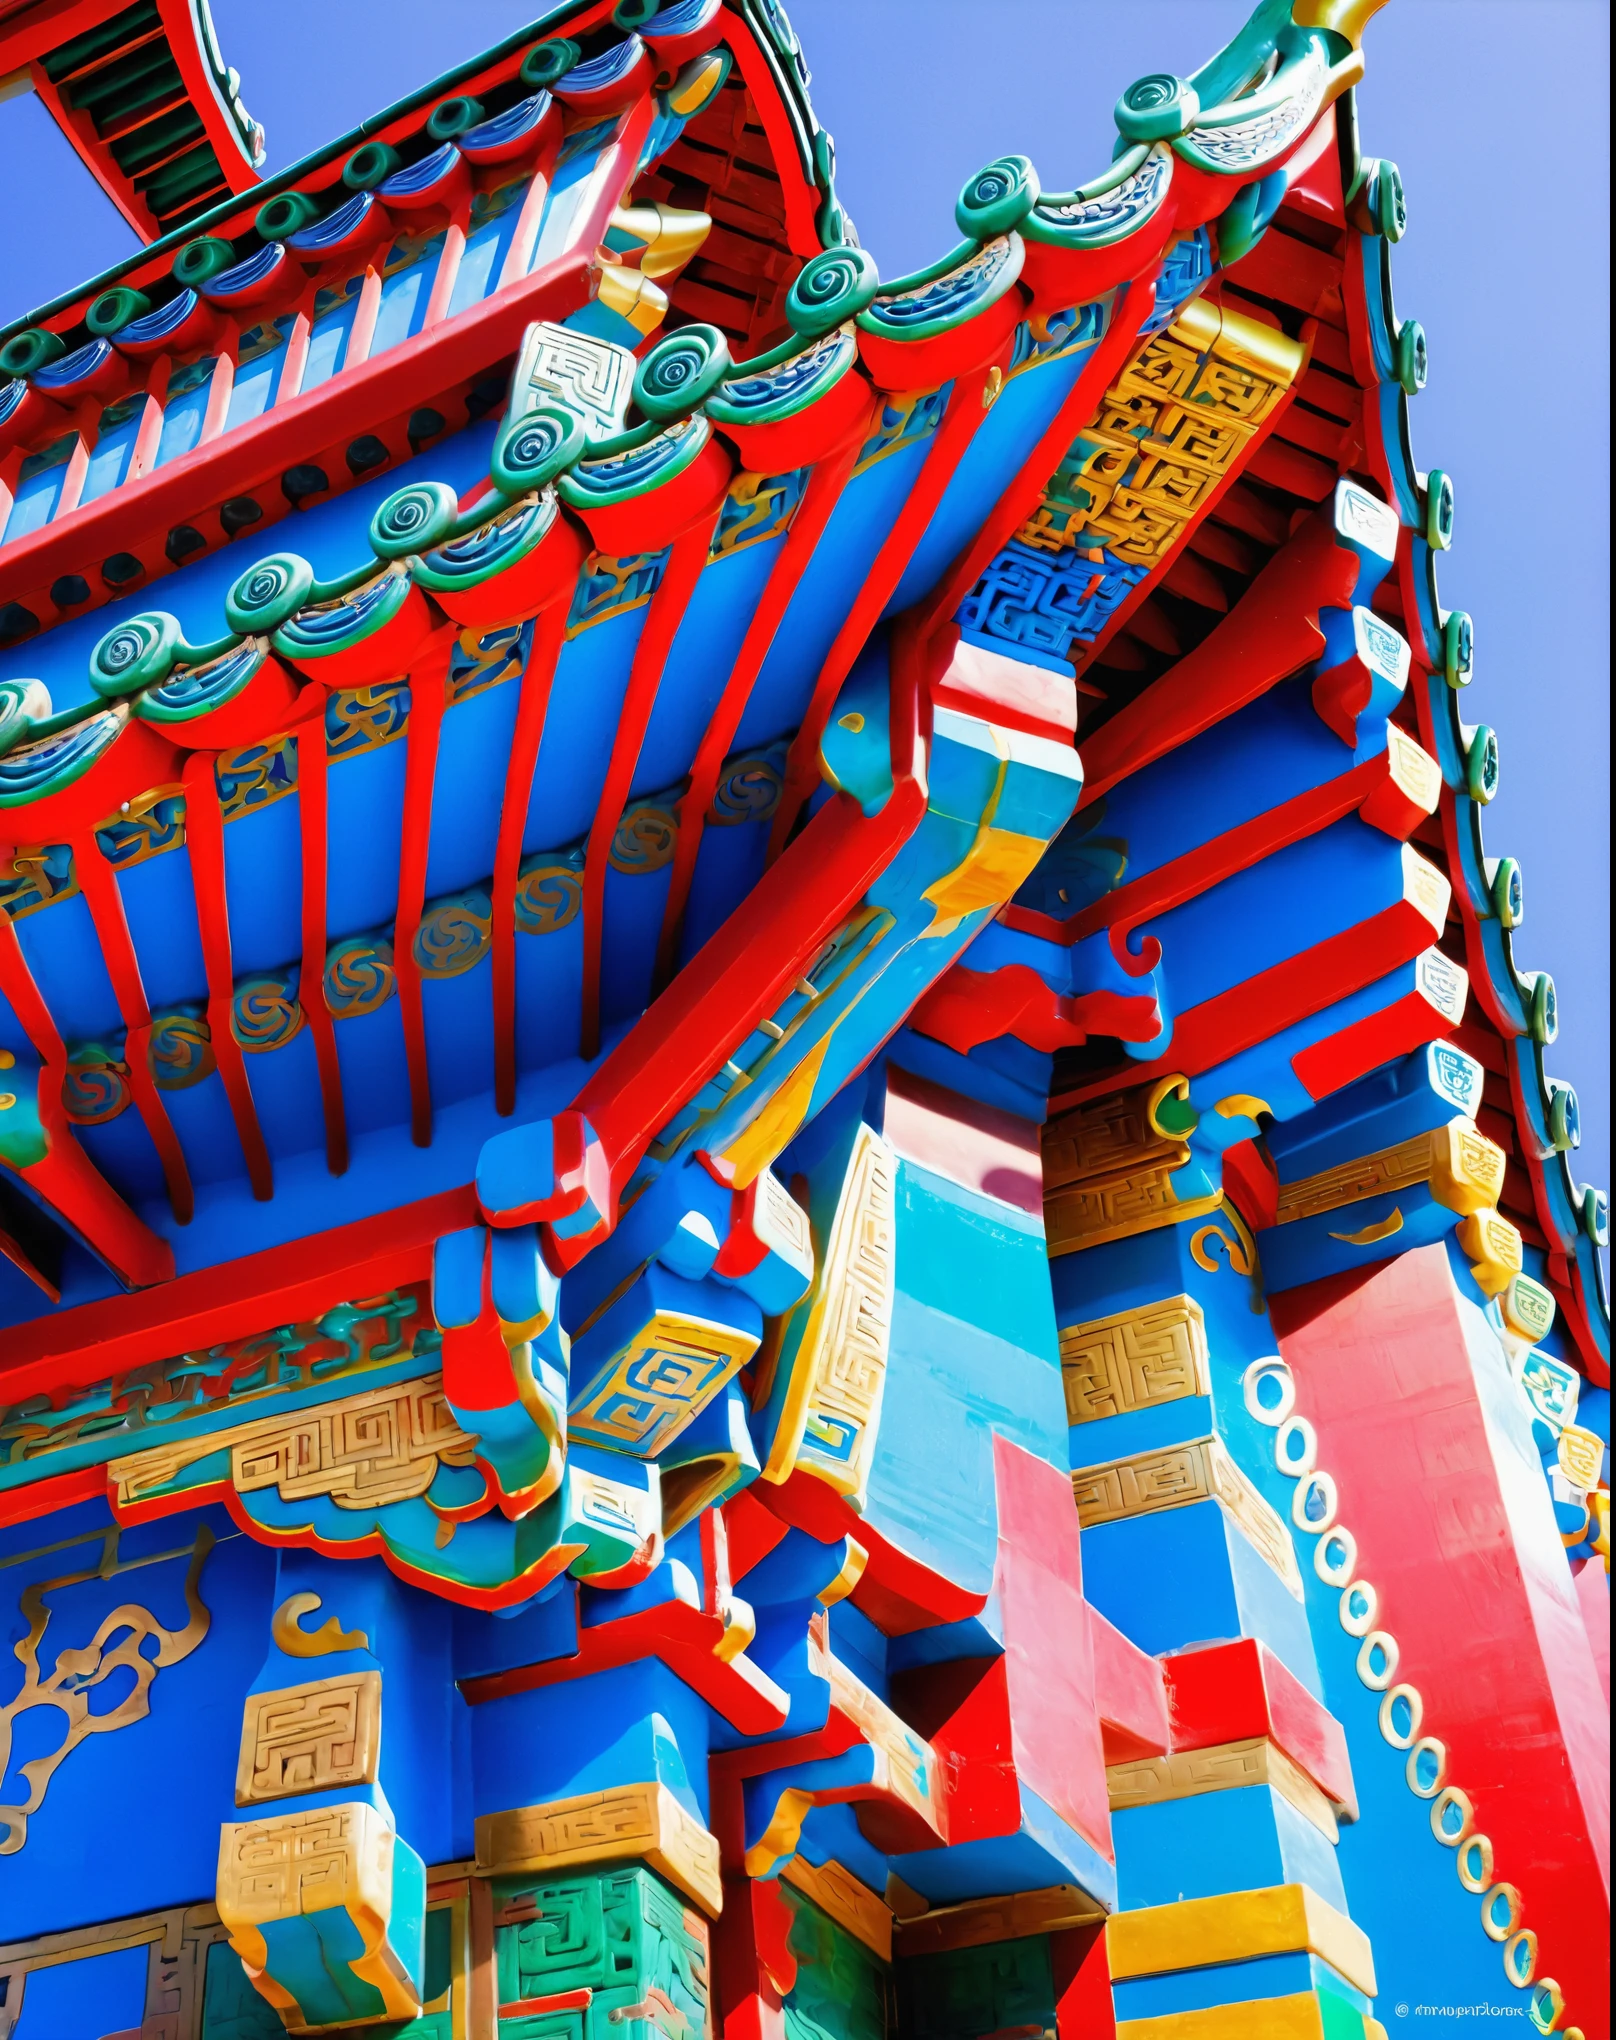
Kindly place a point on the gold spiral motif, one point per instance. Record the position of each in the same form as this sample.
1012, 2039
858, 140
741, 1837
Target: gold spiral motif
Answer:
645, 839
181, 1050
358, 976
95, 1091
265, 1013
547, 897
453, 936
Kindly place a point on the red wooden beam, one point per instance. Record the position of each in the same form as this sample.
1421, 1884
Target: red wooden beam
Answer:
823, 493
666, 613
1143, 590
102, 896
204, 838
961, 422
741, 973
67, 1179
1491, 1637
232, 1299
549, 635
313, 823
685, 1639
429, 680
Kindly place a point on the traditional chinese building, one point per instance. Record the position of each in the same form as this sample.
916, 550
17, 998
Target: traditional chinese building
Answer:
785, 1251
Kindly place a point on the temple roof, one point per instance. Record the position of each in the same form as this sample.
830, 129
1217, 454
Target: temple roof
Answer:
580, 740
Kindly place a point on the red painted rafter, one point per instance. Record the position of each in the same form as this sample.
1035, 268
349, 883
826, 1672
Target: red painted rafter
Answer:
67, 1179
357, 400
549, 635
961, 422
313, 822
531, 216
99, 885
741, 973
429, 679
1270, 633
662, 621
204, 838
822, 495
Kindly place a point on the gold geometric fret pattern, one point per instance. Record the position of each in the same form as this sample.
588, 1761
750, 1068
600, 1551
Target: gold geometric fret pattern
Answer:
1222, 1768
310, 1738
1172, 1477
660, 1381
629, 1823
1179, 417
360, 1453
1463, 1167
1154, 1353
292, 1864
1107, 1141
979, 1922
832, 1408
288, 1866
1494, 1249
1108, 1173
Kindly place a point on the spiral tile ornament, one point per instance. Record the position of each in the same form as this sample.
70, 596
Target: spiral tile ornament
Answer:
412, 519
681, 372
830, 289
26, 353
490, 548
114, 309
533, 449
30, 770
454, 935
23, 704
333, 626
286, 214
265, 1012
1482, 766
1157, 108
268, 594
180, 1048
136, 653
550, 61
190, 691
358, 976
997, 199
200, 261
369, 166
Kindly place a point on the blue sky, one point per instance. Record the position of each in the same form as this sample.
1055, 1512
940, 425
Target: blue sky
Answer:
1497, 112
